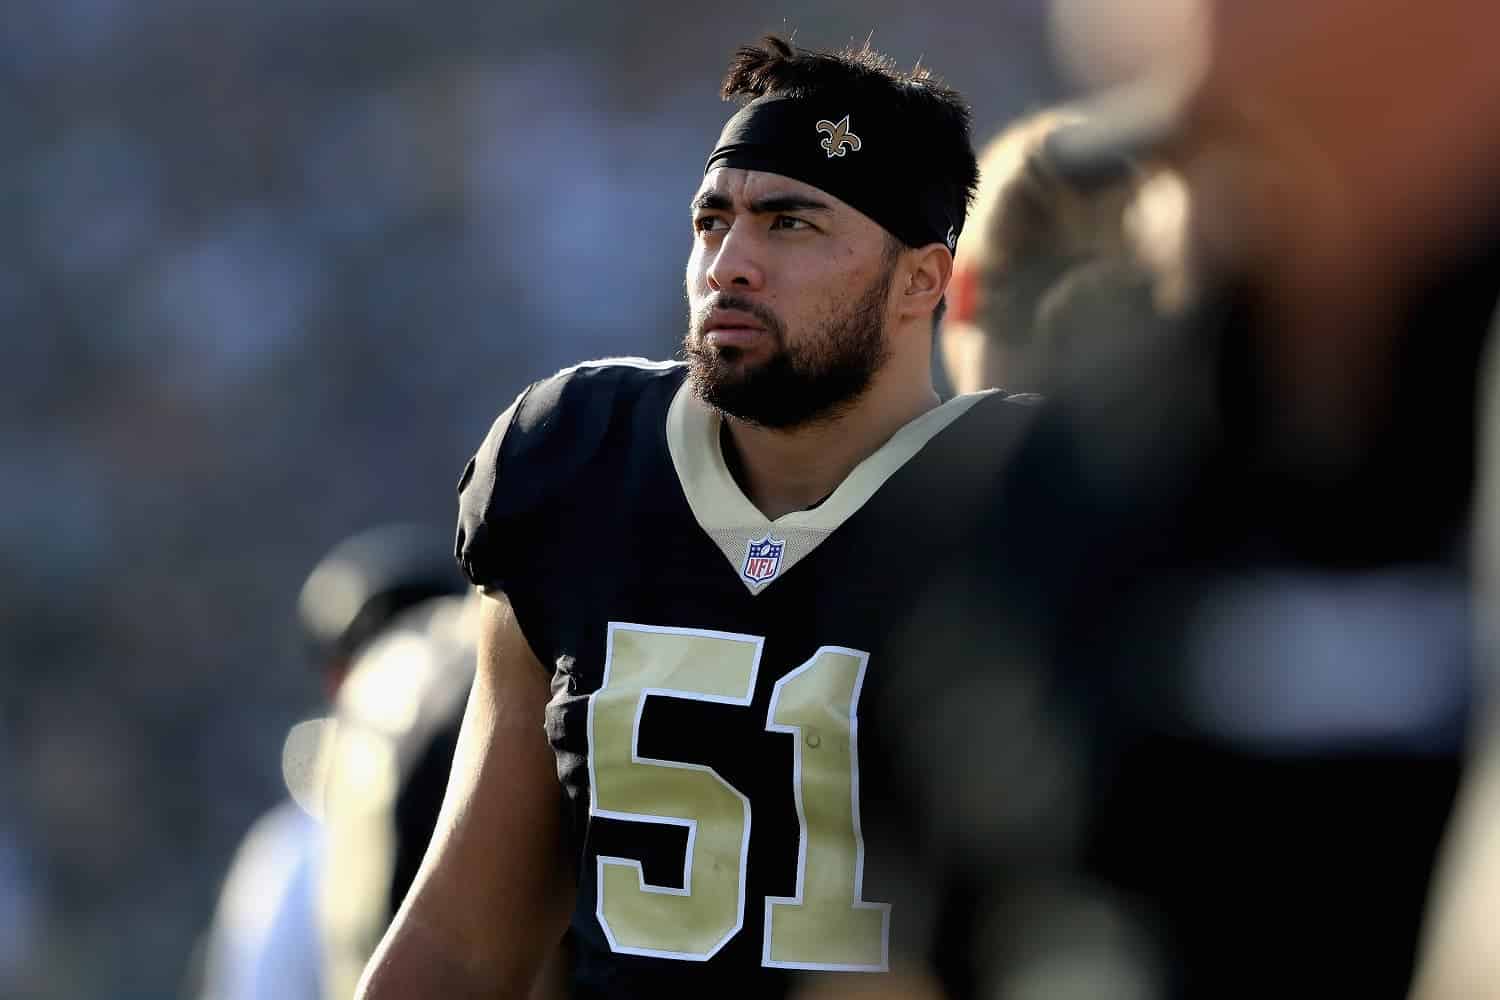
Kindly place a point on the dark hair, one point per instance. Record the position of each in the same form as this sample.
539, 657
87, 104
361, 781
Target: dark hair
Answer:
935, 116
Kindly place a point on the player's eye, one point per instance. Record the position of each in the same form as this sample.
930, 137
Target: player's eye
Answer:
709, 224
790, 222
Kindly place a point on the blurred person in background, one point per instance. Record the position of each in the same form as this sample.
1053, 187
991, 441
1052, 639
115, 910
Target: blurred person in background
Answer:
264, 943
1213, 638
392, 742
691, 572
1043, 230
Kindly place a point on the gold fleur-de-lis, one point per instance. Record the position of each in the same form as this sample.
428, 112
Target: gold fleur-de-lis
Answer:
839, 140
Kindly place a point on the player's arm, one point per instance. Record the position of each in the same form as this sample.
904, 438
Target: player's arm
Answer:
494, 892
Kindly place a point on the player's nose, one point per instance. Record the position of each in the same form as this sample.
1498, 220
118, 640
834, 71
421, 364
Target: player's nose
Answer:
736, 263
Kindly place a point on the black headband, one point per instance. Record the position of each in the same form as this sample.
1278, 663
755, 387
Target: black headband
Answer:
860, 155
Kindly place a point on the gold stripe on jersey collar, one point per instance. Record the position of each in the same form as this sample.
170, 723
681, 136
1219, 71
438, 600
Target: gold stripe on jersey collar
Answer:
728, 517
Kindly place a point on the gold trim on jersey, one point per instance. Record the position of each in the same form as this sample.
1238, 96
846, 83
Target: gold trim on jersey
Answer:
728, 517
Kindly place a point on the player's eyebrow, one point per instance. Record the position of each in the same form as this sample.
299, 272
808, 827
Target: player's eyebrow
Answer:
717, 201
712, 201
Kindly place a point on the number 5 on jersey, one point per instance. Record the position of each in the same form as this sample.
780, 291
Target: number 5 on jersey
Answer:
827, 924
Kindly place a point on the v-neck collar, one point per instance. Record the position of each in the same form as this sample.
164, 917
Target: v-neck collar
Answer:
761, 549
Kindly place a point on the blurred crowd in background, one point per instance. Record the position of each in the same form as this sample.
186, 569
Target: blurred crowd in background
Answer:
267, 271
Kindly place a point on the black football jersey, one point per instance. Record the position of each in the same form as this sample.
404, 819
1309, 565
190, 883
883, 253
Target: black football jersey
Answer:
711, 668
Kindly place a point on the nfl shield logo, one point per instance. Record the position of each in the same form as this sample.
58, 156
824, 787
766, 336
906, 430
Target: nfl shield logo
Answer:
763, 559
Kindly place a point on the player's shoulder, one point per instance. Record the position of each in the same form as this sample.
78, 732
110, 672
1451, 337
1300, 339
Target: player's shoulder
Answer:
1002, 400
539, 448
584, 382
993, 411
563, 417
584, 397
976, 437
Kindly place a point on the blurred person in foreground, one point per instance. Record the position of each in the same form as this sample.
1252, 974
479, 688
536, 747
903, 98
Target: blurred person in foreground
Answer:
1216, 614
264, 942
1045, 231
691, 573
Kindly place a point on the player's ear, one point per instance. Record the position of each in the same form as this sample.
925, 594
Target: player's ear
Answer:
927, 272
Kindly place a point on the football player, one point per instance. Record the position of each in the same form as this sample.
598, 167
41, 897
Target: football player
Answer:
692, 571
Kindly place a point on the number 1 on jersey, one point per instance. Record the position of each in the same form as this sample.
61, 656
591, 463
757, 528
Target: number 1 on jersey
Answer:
828, 924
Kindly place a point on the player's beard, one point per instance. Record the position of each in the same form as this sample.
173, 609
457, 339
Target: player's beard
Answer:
815, 380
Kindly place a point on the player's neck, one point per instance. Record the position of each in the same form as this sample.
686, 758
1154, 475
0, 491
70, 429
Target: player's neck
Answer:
781, 471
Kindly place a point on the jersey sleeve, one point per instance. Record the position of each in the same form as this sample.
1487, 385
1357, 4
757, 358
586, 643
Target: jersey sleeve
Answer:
534, 462
485, 512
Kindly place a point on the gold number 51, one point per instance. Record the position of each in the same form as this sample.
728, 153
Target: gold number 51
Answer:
827, 924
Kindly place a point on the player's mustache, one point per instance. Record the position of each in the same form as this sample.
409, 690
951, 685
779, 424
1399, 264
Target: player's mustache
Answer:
763, 315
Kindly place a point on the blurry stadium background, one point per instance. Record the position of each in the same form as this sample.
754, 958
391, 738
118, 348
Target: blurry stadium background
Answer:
268, 268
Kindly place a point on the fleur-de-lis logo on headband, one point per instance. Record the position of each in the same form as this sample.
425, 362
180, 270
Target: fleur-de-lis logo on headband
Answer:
839, 140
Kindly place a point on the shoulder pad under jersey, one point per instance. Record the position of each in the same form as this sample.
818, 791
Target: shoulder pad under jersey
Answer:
535, 452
